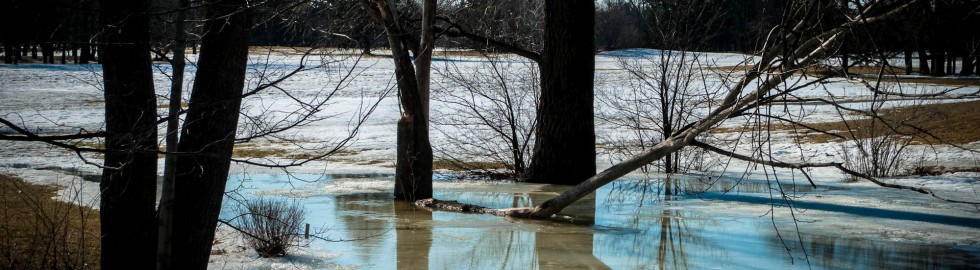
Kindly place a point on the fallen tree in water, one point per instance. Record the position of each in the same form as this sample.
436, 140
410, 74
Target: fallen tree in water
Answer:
789, 51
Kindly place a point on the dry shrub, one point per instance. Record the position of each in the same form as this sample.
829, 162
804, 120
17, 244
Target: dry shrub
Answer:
271, 225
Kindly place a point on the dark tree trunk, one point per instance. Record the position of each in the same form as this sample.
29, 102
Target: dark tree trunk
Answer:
86, 54
938, 67
17, 54
908, 61
968, 65
165, 212
8, 53
950, 63
564, 150
209, 132
128, 193
64, 53
413, 170
923, 63
47, 53
844, 64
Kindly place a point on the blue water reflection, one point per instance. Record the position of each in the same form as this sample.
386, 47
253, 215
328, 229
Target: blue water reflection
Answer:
636, 226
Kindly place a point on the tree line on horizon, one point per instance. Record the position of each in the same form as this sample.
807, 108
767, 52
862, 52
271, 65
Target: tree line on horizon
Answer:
558, 36
939, 34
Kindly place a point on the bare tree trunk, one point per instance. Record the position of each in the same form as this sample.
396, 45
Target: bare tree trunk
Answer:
129, 179
208, 134
968, 65
8, 53
923, 63
564, 150
86, 54
64, 53
165, 234
938, 67
413, 168
908, 61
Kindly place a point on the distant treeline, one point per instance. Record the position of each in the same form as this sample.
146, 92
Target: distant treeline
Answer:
938, 34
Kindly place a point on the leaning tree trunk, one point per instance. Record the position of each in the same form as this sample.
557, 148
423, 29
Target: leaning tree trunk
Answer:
743, 95
208, 135
564, 149
166, 208
129, 179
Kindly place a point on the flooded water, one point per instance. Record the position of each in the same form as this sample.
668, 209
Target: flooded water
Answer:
634, 224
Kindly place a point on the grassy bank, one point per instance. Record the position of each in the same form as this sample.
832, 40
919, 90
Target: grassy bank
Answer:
39, 232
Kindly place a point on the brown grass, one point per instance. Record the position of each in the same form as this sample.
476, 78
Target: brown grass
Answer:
256, 152
957, 123
451, 165
888, 74
38, 232
183, 105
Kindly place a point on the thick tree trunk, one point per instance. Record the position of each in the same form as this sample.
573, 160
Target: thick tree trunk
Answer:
209, 132
564, 149
413, 168
17, 56
413, 171
47, 53
938, 65
923, 63
86, 54
129, 181
968, 65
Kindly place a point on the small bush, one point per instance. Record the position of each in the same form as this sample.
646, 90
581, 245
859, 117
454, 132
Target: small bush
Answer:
271, 225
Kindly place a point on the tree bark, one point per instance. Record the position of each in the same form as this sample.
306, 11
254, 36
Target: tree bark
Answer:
968, 65
165, 233
413, 168
923, 63
209, 132
564, 149
938, 67
129, 181
86, 54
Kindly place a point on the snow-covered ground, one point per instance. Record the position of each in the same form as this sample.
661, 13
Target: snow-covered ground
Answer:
67, 98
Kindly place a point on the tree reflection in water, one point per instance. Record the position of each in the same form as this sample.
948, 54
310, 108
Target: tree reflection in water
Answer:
636, 226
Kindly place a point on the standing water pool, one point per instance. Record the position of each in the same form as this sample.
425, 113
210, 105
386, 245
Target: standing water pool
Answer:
629, 224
